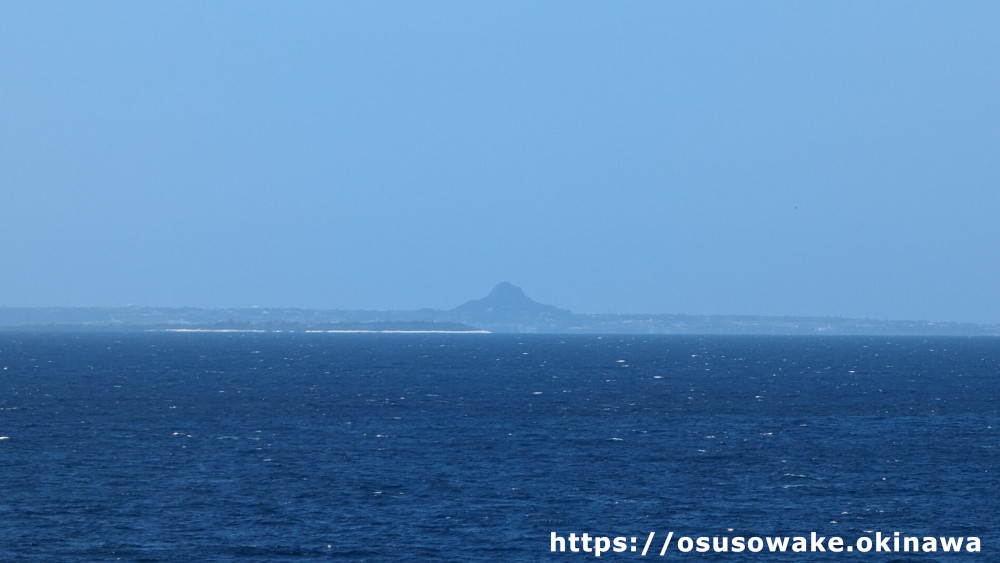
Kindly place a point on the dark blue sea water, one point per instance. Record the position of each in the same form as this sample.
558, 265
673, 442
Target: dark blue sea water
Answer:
297, 447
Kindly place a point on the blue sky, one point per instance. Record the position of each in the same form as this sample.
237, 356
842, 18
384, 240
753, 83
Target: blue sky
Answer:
779, 158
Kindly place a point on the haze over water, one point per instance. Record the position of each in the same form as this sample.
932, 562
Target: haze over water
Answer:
778, 159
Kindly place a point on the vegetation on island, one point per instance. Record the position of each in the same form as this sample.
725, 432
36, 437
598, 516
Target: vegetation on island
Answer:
505, 309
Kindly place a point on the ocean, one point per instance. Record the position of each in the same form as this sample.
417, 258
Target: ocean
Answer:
154, 446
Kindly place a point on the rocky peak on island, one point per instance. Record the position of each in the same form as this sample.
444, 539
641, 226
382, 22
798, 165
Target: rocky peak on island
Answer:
506, 299
508, 309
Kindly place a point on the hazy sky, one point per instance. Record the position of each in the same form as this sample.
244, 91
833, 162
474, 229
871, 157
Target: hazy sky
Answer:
805, 158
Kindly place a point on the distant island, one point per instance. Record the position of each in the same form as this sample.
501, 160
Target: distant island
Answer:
506, 309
